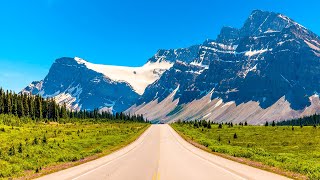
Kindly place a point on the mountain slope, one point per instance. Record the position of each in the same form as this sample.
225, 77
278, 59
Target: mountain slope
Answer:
269, 69
83, 85
271, 60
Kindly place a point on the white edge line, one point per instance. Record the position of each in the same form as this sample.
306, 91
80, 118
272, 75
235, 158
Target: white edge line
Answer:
119, 157
202, 158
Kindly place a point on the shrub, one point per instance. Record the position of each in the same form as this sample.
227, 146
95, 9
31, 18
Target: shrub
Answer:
235, 136
35, 141
11, 151
209, 126
20, 148
44, 139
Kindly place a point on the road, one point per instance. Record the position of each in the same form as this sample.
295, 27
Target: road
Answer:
160, 153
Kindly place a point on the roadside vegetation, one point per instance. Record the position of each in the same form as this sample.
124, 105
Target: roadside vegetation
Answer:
289, 149
38, 136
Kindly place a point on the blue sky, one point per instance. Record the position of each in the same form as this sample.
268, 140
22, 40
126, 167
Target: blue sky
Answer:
121, 32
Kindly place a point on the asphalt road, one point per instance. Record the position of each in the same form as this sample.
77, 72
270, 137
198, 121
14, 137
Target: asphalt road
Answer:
160, 153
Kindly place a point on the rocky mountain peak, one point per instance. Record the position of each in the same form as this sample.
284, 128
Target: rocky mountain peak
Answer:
228, 35
264, 21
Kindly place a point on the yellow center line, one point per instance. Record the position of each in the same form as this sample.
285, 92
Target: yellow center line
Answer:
156, 176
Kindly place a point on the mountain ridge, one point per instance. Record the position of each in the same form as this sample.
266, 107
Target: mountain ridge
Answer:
268, 59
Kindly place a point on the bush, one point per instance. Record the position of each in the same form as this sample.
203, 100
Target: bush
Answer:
11, 151
44, 140
35, 141
20, 148
235, 136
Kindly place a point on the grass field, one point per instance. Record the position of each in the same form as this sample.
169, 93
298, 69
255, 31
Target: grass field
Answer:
290, 149
34, 148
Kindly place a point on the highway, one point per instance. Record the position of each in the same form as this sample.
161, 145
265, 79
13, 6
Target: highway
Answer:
160, 153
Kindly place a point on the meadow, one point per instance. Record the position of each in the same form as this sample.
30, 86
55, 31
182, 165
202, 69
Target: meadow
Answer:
31, 149
294, 151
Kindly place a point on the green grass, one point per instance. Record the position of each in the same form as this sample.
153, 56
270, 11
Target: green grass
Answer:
45, 145
295, 150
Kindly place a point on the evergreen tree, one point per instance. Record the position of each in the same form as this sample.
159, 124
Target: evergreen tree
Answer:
38, 107
14, 105
235, 136
20, 108
25, 106
7, 103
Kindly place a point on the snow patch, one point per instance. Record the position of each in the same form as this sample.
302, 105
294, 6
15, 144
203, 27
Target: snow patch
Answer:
227, 104
138, 77
312, 46
253, 69
317, 54
207, 115
174, 92
255, 52
270, 31
218, 104
68, 99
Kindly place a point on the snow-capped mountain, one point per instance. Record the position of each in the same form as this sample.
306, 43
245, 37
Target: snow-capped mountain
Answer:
269, 69
83, 85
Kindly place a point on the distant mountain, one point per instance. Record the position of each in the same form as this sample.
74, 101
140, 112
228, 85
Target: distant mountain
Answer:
269, 69
83, 85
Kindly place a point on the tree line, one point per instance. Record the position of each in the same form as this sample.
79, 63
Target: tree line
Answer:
313, 120
39, 108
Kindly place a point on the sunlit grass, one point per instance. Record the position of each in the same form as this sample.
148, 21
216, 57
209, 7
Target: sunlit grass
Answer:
295, 149
32, 147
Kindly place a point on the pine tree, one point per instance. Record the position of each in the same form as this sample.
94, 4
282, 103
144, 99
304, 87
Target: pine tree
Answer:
38, 107
14, 105
31, 107
63, 111
1, 101
235, 136
25, 106
20, 108
209, 125
7, 104
45, 109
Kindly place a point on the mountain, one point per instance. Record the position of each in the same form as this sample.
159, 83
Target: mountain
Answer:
269, 69
83, 85
266, 70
